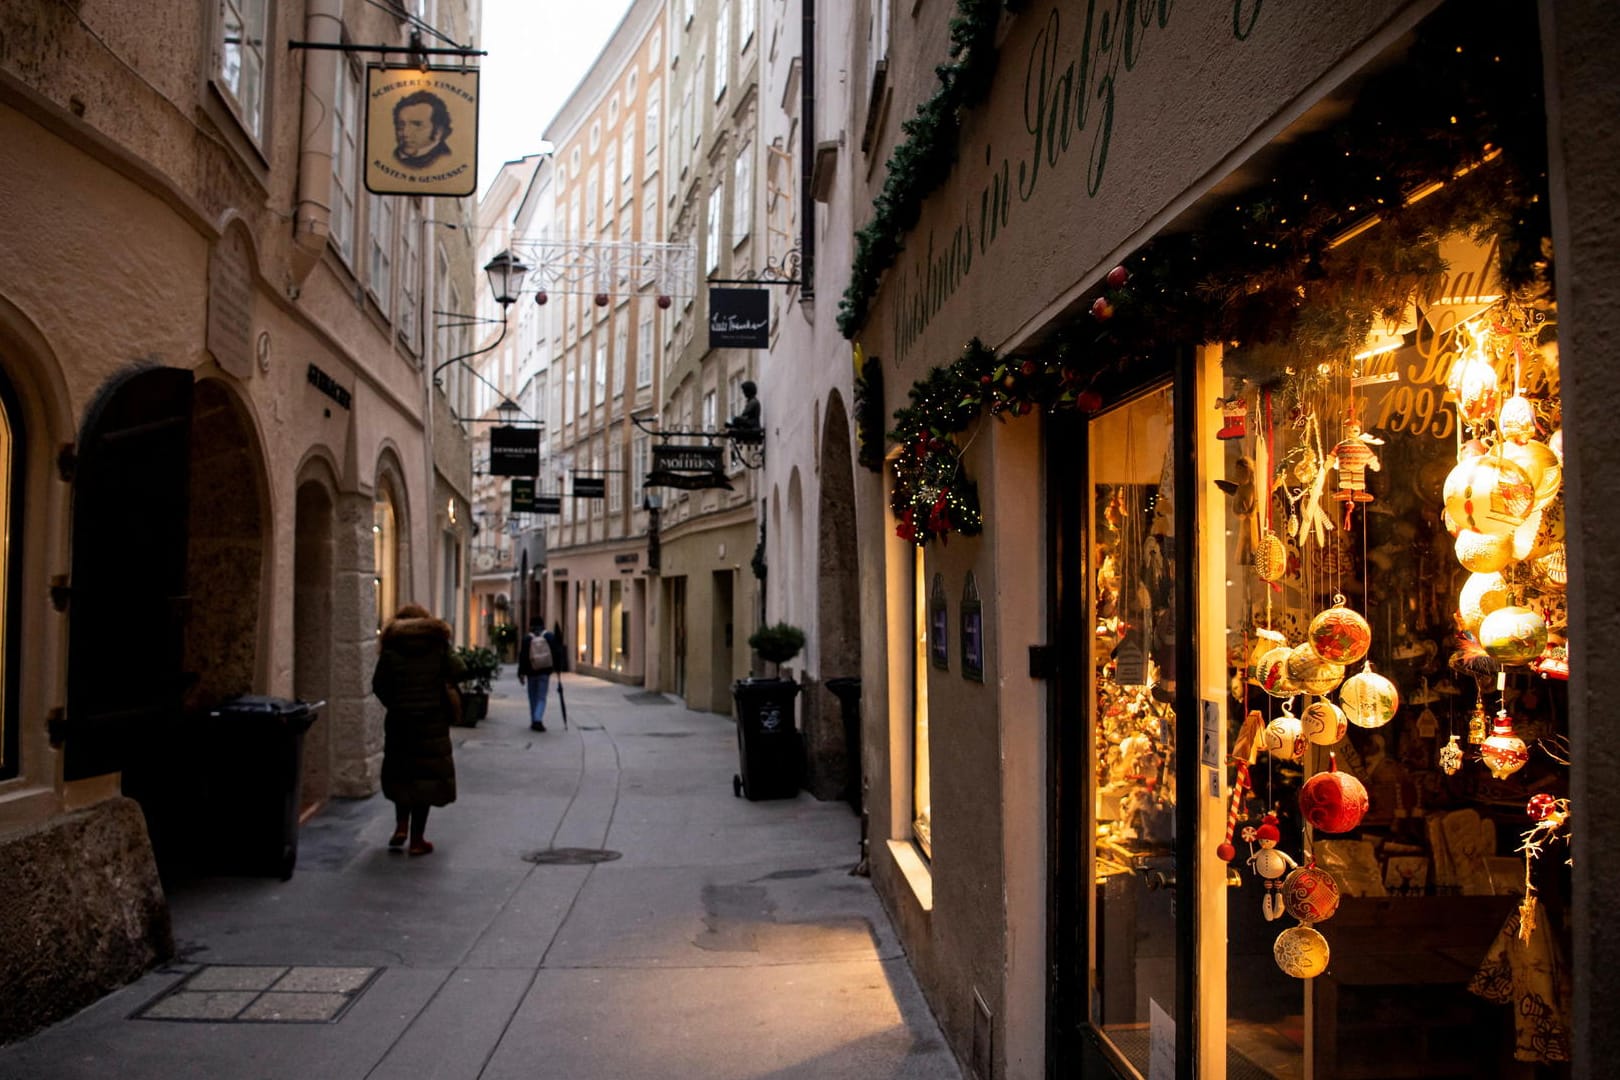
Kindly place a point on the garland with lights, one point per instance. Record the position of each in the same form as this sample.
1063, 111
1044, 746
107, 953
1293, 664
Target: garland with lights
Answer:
1266, 273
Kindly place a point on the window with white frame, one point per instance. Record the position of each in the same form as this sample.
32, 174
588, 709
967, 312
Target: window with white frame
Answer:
345, 158
570, 383
601, 366
649, 219
615, 478
651, 127
644, 351
722, 50
734, 394
688, 9
711, 411
655, 46
630, 86
610, 189
240, 70
742, 195
694, 129
640, 464
596, 136
573, 162
596, 470
613, 110
593, 188
410, 274
621, 351
380, 276
716, 205
745, 23
627, 168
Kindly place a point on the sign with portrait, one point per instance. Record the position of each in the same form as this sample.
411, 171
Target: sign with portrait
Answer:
739, 319
421, 131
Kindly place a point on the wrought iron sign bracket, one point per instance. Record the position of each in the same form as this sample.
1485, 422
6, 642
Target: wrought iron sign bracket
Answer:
775, 272
747, 444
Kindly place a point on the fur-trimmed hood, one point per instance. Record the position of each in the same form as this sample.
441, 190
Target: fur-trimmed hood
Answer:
404, 631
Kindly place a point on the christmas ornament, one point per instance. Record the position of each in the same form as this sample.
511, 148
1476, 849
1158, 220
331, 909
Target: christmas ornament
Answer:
1483, 553
1272, 673
1235, 411
1264, 641
1514, 635
1541, 466
1352, 457
1270, 557
1451, 757
1271, 865
1310, 672
1301, 952
1478, 724
1369, 700
1225, 851
1332, 801
1551, 571
1340, 635
1310, 894
1517, 420
1540, 806
1503, 752
1555, 665
1323, 723
1489, 494
1473, 380
1117, 277
1555, 443
1481, 594
1284, 737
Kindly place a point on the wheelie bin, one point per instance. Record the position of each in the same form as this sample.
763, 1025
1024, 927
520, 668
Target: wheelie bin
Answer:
767, 739
252, 749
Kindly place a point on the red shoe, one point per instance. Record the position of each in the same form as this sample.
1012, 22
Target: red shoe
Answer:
420, 847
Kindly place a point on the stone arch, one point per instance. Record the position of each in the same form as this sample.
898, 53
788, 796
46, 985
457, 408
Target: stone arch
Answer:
834, 750
391, 527
314, 517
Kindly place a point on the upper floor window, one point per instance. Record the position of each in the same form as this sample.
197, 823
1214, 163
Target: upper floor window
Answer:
630, 85
345, 158
716, 204
596, 136
627, 169
380, 273
652, 125
689, 8
722, 50
644, 352
240, 73
410, 274
742, 195
745, 23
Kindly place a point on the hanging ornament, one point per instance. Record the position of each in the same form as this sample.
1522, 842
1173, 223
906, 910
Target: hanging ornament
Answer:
1503, 752
1481, 594
1264, 641
1301, 951
1235, 411
1473, 380
1551, 571
1270, 557
1284, 737
1478, 724
1489, 494
1483, 553
1540, 807
1333, 801
1310, 672
1514, 635
1340, 635
1517, 420
1353, 457
1272, 673
1525, 536
1369, 700
1310, 894
1541, 466
1324, 723
1451, 757
1271, 864
1555, 443
1240, 785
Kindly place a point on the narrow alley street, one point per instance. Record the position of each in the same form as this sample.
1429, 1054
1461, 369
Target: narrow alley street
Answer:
684, 933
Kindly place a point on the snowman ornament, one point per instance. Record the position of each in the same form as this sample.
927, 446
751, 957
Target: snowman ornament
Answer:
1271, 864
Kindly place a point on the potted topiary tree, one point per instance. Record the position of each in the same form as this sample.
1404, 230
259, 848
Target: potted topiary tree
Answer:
778, 643
767, 736
478, 667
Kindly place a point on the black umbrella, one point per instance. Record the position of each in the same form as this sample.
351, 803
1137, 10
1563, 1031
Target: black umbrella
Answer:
563, 702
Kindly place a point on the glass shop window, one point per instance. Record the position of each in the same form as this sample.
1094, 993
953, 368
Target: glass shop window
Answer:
10, 504
1394, 607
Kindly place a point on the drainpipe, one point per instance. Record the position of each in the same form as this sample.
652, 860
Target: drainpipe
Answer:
807, 152
312, 221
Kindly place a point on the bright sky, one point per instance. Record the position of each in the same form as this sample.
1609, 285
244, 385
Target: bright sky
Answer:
539, 50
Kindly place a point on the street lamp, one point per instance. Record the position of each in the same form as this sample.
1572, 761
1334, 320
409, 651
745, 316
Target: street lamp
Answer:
505, 272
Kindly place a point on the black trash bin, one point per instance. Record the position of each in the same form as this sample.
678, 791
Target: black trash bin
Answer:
767, 739
847, 689
252, 751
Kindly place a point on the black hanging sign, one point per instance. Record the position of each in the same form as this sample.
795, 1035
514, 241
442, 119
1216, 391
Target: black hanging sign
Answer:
548, 504
689, 468
739, 318
522, 496
514, 451
590, 487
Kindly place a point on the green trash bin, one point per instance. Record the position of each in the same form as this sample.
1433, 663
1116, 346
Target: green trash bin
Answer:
767, 739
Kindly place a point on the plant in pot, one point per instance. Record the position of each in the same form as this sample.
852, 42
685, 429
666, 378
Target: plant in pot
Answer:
478, 667
504, 637
778, 643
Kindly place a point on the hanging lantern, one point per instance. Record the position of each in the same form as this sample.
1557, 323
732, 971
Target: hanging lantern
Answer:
1517, 420
1451, 757
1301, 952
1332, 801
1324, 723
1514, 635
1340, 635
1483, 553
1310, 894
1541, 465
1503, 752
1481, 594
1284, 738
1272, 673
1369, 700
1270, 557
1310, 672
1473, 380
1489, 494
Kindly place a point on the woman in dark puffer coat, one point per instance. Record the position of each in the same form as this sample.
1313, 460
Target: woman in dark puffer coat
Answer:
415, 670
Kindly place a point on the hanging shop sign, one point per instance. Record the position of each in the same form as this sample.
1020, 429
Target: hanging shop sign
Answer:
523, 496
548, 504
590, 487
689, 468
514, 451
421, 131
739, 319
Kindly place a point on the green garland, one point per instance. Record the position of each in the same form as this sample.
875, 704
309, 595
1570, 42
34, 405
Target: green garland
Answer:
1265, 273
869, 415
923, 159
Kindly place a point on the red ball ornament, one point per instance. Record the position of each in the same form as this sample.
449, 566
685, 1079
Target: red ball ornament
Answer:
1540, 806
1118, 276
601, 299
665, 301
1088, 401
541, 298
1225, 851
1102, 309
1332, 801
1310, 894
1027, 367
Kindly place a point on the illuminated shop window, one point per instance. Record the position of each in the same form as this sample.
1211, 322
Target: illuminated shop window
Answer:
922, 792
385, 553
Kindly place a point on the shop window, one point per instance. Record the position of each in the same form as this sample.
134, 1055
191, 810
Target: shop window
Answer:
922, 795
10, 506
385, 553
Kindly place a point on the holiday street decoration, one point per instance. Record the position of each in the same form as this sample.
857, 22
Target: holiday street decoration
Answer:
1333, 801
1271, 864
1503, 752
1301, 951
1369, 700
1235, 413
1310, 894
1225, 851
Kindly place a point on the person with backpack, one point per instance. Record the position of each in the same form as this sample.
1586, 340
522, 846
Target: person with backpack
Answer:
537, 659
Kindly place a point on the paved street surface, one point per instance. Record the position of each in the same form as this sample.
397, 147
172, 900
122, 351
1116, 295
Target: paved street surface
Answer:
721, 939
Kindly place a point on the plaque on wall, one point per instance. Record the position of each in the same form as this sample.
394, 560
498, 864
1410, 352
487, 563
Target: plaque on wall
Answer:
939, 622
972, 631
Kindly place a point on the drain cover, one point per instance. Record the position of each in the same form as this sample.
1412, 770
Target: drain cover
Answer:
570, 856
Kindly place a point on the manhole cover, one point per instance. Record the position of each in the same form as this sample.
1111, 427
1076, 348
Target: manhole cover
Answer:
570, 856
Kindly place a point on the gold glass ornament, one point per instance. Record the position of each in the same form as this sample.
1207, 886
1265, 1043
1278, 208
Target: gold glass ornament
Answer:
1483, 553
1473, 379
1541, 465
1503, 752
1517, 420
1310, 672
1301, 952
1339, 635
1481, 594
1451, 757
1514, 635
1489, 494
1369, 700
1270, 557
1555, 443
1527, 536
1272, 673
1551, 571
1478, 724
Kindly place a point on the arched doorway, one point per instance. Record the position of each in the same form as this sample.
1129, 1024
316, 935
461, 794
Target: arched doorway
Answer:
835, 748
312, 626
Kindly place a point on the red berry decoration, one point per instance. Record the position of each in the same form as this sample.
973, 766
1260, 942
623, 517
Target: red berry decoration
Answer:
1332, 801
1540, 806
664, 301
1088, 401
541, 298
1102, 309
1028, 367
985, 380
601, 299
1117, 277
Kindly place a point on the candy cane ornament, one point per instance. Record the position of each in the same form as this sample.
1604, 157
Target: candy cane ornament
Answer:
1240, 787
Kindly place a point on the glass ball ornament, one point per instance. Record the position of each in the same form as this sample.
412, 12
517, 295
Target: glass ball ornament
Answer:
1503, 752
1551, 570
1264, 641
1541, 465
1489, 494
1514, 635
1270, 557
1339, 635
1555, 443
1540, 807
1333, 801
1483, 553
1369, 700
1301, 951
1473, 380
1324, 723
1481, 594
1284, 738
1272, 673
1310, 894
1310, 672
1517, 420
1525, 536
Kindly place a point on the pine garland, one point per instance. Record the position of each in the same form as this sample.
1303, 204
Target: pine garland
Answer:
869, 415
